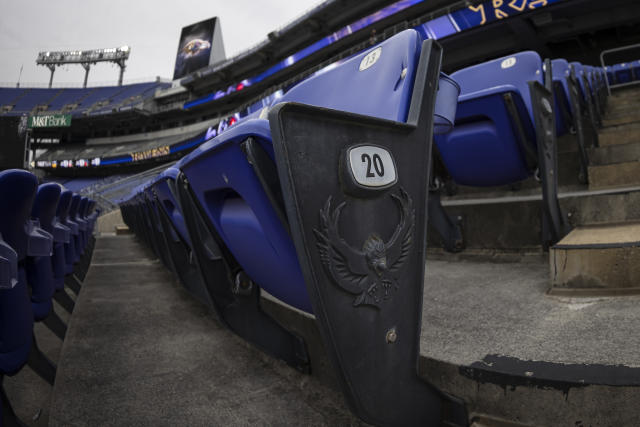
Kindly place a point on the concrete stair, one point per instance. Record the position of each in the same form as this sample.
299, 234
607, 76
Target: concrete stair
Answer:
616, 162
597, 260
622, 134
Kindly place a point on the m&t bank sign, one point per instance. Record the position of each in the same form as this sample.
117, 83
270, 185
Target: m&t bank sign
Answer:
50, 121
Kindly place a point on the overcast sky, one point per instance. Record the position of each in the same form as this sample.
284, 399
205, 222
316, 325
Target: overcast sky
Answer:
150, 27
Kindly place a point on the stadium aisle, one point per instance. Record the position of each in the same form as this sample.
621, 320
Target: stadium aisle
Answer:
141, 351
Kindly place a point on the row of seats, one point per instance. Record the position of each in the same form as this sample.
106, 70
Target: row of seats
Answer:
509, 113
45, 243
217, 218
494, 140
624, 72
75, 101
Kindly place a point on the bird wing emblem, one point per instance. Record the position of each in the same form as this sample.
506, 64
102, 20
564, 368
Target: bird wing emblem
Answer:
400, 243
346, 265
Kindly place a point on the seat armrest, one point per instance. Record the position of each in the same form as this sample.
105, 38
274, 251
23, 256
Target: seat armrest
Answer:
40, 242
61, 233
8, 266
73, 226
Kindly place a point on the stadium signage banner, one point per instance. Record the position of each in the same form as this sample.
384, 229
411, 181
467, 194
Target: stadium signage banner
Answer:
149, 154
49, 121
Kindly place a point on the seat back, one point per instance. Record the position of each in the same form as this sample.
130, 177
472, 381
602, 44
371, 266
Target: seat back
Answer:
485, 148
170, 204
580, 72
65, 217
45, 205
62, 212
635, 69
40, 270
622, 72
610, 75
514, 70
377, 82
17, 192
561, 73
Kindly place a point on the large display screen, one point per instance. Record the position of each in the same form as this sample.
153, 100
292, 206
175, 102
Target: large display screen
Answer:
194, 48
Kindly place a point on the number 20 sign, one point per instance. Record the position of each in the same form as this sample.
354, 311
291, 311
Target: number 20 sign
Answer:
372, 166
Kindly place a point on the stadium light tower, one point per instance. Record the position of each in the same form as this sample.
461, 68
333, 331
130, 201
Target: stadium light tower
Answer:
86, 58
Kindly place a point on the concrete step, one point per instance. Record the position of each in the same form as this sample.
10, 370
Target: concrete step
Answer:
622, 107
597, 259
122, 229
511, 221
628, 94
621, 117
622, 134
614, 175
618, 153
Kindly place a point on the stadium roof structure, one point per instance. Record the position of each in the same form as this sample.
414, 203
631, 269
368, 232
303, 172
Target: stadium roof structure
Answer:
573, 29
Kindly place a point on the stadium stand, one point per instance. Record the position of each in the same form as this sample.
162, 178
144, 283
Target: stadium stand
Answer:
297, 218
99, 100
27, 264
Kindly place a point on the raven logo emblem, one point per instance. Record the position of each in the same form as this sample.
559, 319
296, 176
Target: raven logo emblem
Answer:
368, 272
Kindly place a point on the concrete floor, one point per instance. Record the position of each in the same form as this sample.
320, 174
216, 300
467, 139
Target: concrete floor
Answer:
141, 351
475, 309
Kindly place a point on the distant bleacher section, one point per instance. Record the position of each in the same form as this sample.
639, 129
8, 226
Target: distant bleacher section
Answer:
74, 101
109, 191
85, 184
624, 72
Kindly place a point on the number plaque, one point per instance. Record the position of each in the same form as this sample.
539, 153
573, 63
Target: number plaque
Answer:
372, 166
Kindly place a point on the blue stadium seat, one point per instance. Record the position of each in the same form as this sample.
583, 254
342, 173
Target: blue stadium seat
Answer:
176, 234
500, 136
623, 73
48, 208
62, 212
587, 96
79, 227
40, 269
579, 70
234, 199
39, 264
484, 149
92, 214
163, 187
635, 69
237, 230
610, 76
82, 216
562, 98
